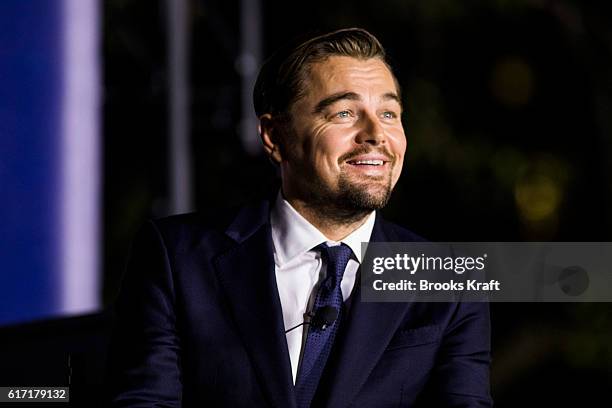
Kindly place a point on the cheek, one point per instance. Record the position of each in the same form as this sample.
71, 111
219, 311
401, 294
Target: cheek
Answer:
403, 146
397, 142
325, 158
399, 149
326, 147
302, 150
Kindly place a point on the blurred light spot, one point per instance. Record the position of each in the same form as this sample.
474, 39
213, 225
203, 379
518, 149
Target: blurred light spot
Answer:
512, 81
537, 197
246, 64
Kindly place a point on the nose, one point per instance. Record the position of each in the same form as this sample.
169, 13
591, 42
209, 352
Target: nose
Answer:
371, 130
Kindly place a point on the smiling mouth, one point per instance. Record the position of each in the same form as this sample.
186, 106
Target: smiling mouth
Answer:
366, 162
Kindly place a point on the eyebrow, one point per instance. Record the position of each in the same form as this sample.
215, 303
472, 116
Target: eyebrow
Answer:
392, 96
351, 96
330, 100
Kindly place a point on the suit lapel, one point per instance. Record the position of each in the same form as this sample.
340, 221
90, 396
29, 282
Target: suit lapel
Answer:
369, 328
246, 274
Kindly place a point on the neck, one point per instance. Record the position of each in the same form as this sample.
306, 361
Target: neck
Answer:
335, 223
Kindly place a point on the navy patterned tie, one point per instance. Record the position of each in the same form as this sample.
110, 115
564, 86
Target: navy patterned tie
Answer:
320, 340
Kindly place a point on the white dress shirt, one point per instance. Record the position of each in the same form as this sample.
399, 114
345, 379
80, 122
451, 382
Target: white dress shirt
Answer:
299, 268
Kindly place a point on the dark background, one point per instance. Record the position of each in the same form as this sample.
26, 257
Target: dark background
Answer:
509, 125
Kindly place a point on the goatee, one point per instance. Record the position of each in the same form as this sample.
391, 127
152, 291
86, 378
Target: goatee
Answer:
352, 200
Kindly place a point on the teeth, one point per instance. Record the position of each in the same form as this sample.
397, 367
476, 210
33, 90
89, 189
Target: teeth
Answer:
370, 162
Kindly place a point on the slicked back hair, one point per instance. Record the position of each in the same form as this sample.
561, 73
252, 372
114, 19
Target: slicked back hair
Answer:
281, 79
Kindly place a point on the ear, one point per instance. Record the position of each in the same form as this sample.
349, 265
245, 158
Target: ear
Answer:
269, 137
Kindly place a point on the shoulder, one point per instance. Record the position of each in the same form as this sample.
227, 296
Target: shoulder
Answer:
184, 232
195, 222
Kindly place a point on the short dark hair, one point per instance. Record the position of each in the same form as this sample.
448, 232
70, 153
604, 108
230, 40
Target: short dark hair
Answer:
281, 78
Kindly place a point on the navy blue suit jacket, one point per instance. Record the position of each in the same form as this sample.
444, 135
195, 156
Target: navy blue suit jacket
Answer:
199, 324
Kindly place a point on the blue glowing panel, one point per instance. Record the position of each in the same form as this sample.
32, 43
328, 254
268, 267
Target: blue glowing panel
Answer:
48, 145
30, 84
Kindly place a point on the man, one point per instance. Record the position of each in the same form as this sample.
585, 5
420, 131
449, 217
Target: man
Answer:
208, 315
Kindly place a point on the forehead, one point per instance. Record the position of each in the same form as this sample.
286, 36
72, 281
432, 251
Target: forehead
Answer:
340, 73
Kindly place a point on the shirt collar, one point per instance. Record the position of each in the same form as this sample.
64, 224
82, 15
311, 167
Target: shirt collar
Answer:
293, 235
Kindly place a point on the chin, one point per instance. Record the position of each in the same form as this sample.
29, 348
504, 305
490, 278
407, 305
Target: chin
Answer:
365, 197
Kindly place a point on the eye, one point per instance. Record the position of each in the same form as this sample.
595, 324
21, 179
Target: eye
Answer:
389, 115
343, 116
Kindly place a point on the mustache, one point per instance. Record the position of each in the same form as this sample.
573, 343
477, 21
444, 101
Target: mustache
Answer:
366, 150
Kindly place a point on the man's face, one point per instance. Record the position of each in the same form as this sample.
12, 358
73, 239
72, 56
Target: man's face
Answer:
346, 143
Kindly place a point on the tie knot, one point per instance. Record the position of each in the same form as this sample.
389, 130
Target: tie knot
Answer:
337, 258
